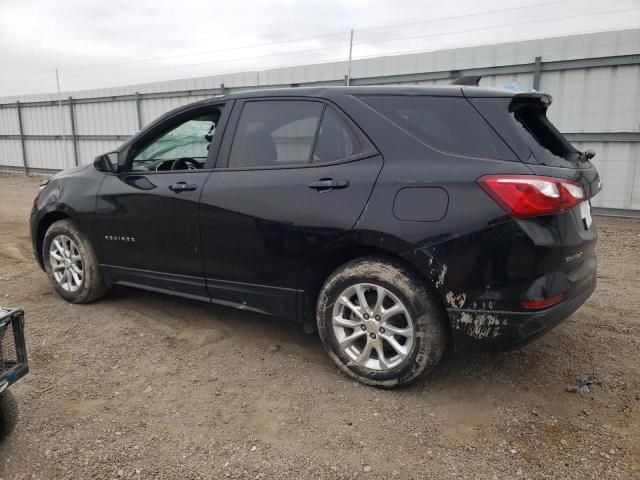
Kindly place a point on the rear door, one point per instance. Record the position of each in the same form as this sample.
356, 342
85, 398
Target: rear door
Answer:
293, 175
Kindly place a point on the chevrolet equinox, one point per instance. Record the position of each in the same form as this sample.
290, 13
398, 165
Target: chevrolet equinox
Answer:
395, 221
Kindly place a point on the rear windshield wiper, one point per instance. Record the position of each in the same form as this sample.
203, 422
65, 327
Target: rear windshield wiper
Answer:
587, 155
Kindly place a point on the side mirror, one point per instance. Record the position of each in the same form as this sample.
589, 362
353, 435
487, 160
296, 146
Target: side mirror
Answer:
589, 154
107, 162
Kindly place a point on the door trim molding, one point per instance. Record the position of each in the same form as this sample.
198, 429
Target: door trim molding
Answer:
169, 283
257, 285
264, 299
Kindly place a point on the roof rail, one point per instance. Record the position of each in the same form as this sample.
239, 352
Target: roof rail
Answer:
471, 80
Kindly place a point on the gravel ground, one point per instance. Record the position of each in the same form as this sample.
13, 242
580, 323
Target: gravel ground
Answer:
141, 385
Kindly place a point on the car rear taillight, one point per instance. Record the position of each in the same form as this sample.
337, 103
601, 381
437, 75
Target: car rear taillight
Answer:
543, 302
530, 195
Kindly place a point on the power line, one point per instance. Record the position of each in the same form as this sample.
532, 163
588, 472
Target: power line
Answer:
413, 37
231, 60
363, 57
170, 57
497, 26
469, 15
281, 42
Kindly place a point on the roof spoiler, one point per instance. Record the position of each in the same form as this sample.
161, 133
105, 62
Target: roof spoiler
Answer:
470, 80
544, 98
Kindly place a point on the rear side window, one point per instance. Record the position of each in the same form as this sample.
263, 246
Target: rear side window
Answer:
448, 124
336, 140
275, 133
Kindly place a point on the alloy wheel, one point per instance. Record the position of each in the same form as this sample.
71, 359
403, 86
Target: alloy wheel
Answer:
372, 326
66, 263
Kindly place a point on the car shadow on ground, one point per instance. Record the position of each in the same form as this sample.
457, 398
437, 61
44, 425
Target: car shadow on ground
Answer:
455, 368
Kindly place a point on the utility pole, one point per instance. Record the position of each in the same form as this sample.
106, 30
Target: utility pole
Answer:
61, 115
350, 52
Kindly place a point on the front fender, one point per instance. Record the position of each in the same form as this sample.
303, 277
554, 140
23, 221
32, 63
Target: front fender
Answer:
70, 194
40, 221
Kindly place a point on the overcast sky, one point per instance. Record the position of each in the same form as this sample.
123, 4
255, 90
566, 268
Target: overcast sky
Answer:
102, 43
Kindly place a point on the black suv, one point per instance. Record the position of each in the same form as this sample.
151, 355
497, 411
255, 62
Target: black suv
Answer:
394, 220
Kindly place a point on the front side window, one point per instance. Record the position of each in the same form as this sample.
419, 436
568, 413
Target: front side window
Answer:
183, 147
275, 133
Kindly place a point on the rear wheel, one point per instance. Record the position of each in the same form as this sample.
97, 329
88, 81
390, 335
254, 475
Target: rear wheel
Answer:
379, 323
71, 264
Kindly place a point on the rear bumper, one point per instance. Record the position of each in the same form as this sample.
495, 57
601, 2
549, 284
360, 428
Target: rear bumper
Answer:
503, 330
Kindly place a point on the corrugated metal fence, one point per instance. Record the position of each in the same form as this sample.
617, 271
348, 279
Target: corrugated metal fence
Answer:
595, 81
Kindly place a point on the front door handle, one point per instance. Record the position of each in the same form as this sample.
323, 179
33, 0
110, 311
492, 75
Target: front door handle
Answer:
182, 187
326, 184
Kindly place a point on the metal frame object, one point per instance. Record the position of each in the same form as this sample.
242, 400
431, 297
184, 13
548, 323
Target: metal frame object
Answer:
13, 369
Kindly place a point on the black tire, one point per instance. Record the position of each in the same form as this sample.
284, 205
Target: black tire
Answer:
8, 414
92, 287
429, 338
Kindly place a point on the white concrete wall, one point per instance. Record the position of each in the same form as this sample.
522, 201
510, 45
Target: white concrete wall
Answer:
587, 100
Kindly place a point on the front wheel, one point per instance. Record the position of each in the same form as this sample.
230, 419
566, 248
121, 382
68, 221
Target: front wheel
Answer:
379, 323
71, 263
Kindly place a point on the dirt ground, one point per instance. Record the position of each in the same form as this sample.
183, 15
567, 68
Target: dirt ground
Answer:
141, 385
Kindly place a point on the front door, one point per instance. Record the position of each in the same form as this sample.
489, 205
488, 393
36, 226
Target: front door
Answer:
294, 177
148, 213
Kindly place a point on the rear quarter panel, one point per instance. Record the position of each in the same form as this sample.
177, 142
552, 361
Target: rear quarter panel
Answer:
456, 250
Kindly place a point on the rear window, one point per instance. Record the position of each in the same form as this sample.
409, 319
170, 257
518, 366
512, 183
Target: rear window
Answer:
448, 124
546, 143
524, 125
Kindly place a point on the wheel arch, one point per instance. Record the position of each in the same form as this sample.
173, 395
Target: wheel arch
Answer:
43, 225
323, 266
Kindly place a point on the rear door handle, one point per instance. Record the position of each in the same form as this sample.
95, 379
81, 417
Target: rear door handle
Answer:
326, 184
182, 187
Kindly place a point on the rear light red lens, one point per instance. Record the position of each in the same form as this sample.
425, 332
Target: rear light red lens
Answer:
530, 195
543, 302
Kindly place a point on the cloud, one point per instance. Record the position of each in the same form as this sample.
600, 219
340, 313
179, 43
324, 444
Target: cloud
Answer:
97, 44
